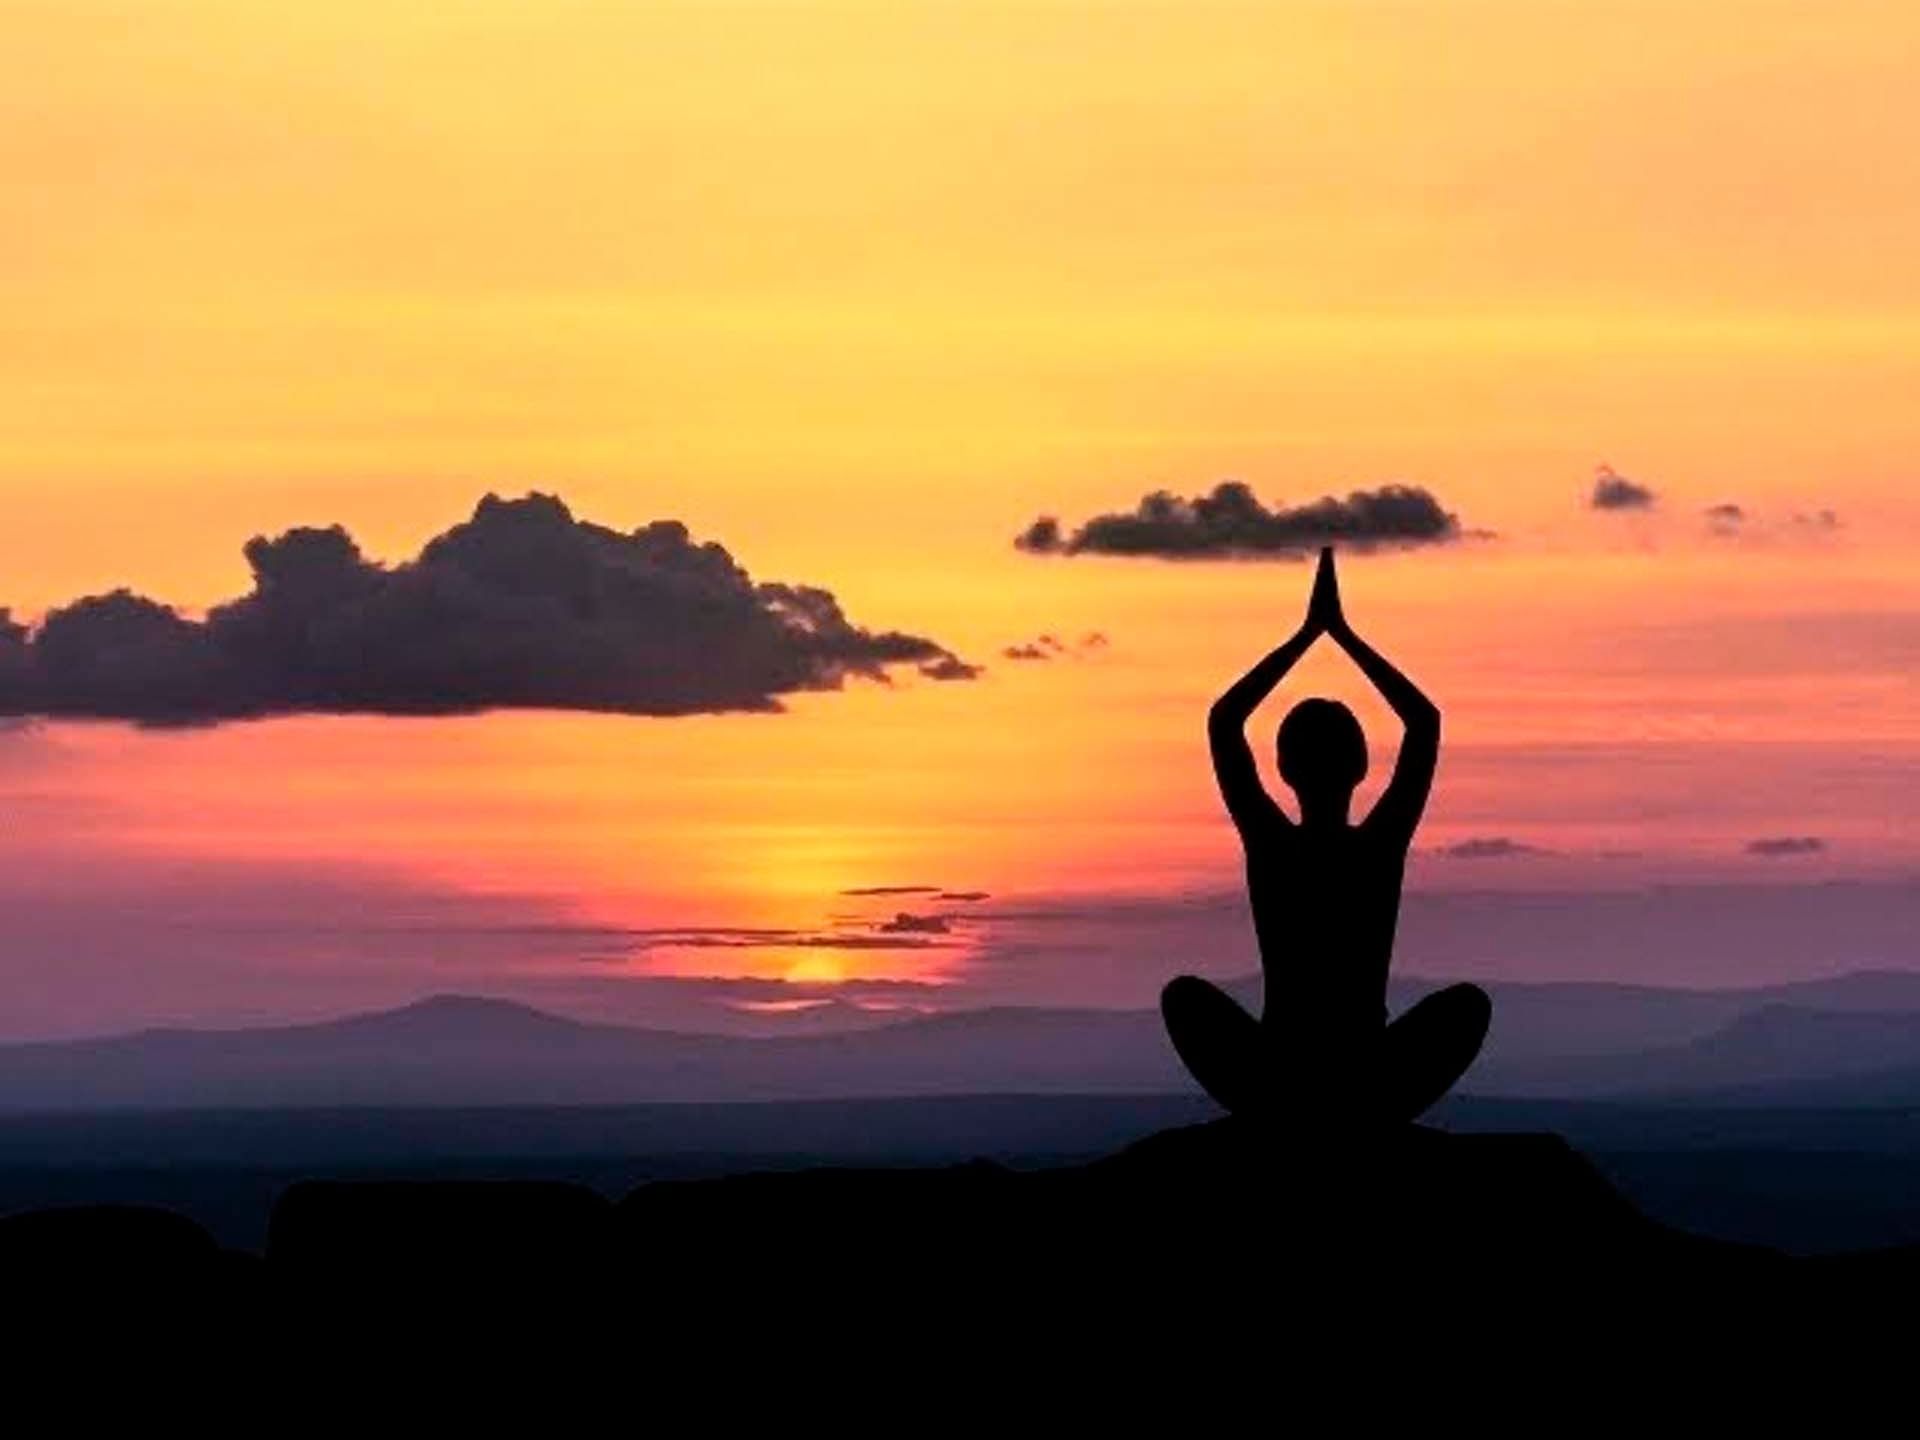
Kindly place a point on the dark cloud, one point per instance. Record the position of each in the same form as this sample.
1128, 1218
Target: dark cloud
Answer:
722, 938
1614, 491
1232, 523
1042, 537
1726, 519
1817, 519
617, 944
892, 890
1732, 521
906, 923
522, 606
1052, 647
1045, 647
1774, 847
1487, 847
950, 667
749, 987
16, 657
963, 897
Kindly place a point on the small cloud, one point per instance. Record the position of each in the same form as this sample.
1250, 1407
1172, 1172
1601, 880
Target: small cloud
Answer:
721, 937
1822, 520
824, 941
1775, 847
963, 897
1614, 491
1231, 523
1732, 521
1052, 647
1042, 537
1726, 518
905, 923
892, 890
1487, 847
950, 667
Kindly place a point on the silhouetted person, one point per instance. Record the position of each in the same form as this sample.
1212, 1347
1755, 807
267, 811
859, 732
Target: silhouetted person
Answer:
1326, 899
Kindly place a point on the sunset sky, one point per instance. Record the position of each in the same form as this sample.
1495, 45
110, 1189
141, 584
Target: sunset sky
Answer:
858, 291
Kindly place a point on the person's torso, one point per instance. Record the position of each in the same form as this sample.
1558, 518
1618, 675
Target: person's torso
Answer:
1326, 904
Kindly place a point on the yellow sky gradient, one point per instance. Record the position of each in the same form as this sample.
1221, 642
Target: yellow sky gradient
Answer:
859, 289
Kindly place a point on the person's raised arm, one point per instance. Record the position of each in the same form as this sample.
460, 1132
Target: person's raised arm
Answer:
1405, 797
1247, 799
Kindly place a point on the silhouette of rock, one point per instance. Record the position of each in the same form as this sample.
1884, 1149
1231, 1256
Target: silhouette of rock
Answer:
903, 1239
1207, 1220
119, 1248
1214, 1240
334, 1234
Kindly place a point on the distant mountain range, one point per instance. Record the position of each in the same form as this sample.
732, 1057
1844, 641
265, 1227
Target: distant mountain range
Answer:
457, 1050
1590, 1041
1851, 1039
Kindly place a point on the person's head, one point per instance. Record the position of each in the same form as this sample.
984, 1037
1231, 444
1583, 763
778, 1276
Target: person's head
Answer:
1323, 753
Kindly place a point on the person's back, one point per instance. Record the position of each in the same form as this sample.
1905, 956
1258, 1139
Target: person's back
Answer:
1326, 904
1325, 895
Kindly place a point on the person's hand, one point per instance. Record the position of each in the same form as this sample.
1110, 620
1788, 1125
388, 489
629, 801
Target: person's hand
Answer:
1323, 610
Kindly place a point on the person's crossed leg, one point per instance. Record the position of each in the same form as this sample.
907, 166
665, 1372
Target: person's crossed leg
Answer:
1248, 1069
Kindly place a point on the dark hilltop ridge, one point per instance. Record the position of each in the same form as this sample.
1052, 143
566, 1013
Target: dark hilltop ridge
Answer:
1186, 1235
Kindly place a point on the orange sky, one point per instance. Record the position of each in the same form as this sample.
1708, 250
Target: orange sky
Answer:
858, 289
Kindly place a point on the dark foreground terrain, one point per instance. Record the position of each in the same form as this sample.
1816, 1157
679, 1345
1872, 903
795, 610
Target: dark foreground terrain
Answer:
1800, 1179
1208, 1237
